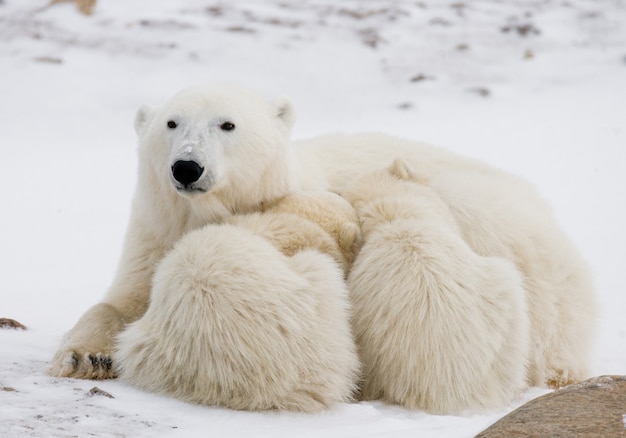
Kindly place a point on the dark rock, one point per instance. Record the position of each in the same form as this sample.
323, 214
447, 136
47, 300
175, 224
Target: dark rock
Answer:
593, 408
97, 391
11, 323
420, 77
522, 29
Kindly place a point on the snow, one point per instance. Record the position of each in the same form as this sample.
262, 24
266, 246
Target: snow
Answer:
545, 99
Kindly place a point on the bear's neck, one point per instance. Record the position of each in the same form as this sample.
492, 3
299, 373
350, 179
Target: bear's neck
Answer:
214, 208
222, 204
242, 196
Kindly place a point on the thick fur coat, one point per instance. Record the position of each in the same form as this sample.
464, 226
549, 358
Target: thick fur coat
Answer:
253, 314
438, 327
476, 232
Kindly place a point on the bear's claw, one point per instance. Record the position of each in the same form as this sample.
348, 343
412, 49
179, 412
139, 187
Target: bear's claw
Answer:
103, 363
71, 363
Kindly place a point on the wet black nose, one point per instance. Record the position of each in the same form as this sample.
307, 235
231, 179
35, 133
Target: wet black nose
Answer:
187, 172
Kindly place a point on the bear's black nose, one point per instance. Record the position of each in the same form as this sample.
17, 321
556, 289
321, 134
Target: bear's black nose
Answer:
187, 172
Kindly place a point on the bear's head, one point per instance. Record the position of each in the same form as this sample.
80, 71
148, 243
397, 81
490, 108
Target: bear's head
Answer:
397, 179
221, 147
331, 213
395, 192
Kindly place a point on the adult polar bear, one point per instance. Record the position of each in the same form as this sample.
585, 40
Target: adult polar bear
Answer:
217, 150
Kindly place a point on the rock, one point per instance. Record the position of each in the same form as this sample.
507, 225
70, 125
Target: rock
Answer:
593, 408
11, 323
100, 392
84, 6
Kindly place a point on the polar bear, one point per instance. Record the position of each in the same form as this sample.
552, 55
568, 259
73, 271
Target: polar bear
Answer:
253, 313
206, 154
473, 319
438, 327
213, 151
500, 215
326, 222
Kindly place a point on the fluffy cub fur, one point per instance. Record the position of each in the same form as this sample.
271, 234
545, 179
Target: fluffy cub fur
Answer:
438, 327
253, 313
452, 227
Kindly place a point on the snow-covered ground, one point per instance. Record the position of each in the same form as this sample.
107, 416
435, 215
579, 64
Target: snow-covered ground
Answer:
537, 87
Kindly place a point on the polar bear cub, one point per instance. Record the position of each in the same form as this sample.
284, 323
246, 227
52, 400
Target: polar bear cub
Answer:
253, 313
438, 327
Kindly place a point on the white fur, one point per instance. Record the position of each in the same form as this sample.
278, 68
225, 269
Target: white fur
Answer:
251, 165
496, 216
438, 327
234, 322
499, 215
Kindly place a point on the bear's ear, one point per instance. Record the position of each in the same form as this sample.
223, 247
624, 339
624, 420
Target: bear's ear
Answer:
403, 170
284, 111
144, 115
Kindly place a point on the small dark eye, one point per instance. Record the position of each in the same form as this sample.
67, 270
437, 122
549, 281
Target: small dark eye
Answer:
171, 124
227, 126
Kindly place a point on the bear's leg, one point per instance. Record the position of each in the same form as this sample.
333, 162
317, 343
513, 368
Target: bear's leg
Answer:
86, 351
567, 351
438, 327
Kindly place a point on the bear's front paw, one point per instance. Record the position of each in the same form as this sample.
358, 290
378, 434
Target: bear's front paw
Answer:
88, 346
81, 364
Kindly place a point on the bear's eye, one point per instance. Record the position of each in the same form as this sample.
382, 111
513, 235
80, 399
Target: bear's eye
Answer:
227, 126
171, 124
